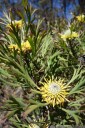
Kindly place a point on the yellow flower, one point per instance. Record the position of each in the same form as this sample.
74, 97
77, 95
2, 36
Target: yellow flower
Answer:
69, 35
54, 91
13, 46
81, 18
34, 126
16, 23
74, 34
25, 46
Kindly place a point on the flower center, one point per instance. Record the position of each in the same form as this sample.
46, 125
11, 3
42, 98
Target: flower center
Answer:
54, 88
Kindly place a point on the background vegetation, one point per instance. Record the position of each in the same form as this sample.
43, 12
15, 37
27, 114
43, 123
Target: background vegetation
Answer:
33, 48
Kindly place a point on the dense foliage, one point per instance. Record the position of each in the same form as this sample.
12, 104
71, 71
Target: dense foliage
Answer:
42, 71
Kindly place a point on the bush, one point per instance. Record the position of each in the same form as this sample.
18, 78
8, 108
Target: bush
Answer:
41, 71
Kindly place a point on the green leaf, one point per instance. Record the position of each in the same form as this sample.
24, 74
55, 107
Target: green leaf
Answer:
75, 76
47, 45
4, 72
73, 114
30, 109
35, 105
24, 3
17, 101
76, 103
77, 87
11, 113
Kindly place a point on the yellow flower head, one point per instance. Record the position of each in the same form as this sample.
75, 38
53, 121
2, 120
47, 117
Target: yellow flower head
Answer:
69, 35
54, 91
13, 47
25, 46
16, 23
33, 126
81, 18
